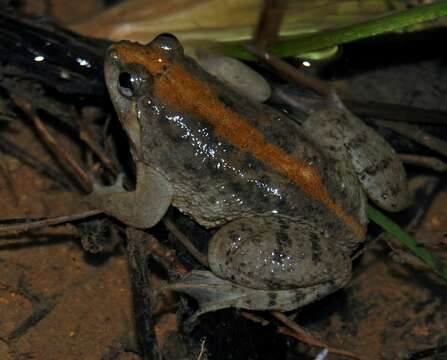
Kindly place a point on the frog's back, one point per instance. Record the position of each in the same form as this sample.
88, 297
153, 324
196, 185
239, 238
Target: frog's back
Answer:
231, 157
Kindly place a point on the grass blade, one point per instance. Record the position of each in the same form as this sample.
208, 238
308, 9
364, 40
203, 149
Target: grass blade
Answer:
406, 239
330, 38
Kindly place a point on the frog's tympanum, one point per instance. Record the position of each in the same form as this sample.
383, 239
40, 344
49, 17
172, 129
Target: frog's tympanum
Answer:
288, 200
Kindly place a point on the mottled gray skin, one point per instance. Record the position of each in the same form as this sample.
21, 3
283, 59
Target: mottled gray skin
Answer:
277, 247
375, 162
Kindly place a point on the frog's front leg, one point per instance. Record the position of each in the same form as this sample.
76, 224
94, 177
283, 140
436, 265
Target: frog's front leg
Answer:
142, 208
268, 263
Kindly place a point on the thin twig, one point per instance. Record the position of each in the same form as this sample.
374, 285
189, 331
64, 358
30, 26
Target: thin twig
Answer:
142, 292
86, 135
270, 20
396, 112
431, 353
404, 257
296, 331
255, 318
8, 179
318, 344
201, 258
163, 252
10, 148
23, 227
290, 73
65, 159
428, 162
291, 324
202, 353
416, 134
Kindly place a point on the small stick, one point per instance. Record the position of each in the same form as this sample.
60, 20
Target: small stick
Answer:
19, 228
396, 112
10, 148
318, 344
269, 23
66, 159
255, 318
291, 324
290, 73
201, 258
86, 135
142, 291
416, 134
431, 353
401, 256
267, 28
296, 331
202, 353
161, 251
8, 179
424, 161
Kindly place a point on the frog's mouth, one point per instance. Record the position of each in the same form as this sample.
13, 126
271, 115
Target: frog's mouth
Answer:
119, 85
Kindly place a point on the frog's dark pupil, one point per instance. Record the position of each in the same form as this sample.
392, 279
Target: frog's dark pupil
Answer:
125, 81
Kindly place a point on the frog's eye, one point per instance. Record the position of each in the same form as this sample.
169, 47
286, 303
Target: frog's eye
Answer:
125, 84
168, 42
131, 80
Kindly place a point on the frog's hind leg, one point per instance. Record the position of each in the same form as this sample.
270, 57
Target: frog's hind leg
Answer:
269, 263
142, 208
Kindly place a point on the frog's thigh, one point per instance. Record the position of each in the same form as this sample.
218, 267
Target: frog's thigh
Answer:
142, 208
275, 253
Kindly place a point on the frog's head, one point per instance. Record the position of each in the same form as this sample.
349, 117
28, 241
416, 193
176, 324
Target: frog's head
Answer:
130, 71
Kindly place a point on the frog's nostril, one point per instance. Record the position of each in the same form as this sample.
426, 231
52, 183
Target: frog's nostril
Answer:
125, 84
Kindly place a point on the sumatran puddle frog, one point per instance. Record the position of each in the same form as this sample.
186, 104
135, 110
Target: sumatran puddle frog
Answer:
286, 198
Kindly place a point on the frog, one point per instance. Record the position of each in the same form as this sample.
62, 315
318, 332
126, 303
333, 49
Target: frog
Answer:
288, 207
